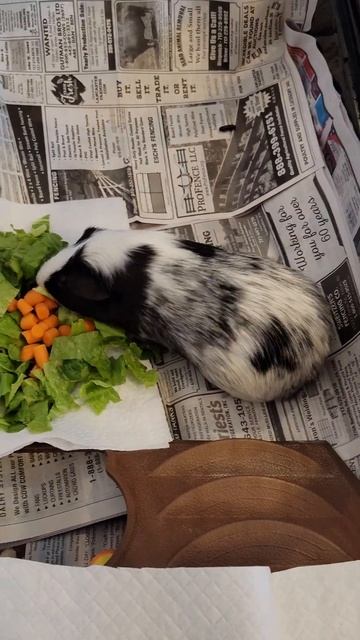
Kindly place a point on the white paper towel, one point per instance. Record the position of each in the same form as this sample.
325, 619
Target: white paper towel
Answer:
318, 603
138, 421
39, 602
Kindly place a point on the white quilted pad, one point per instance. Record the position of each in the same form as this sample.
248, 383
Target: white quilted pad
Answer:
43, 602
138, 421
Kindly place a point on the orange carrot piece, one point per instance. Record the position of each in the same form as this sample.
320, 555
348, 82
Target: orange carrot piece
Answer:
38, 330
27, 353
89, 325
49, 336
102, 557
12, 306
28, 335
28, 321
51, 304
65, 330
52, 321
41, 355
33, 297
42, 311
24, 307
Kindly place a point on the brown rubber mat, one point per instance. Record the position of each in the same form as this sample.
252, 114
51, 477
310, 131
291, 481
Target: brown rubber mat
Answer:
237, 502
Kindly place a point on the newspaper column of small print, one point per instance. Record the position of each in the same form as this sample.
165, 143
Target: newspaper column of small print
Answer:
78, 547
46, 493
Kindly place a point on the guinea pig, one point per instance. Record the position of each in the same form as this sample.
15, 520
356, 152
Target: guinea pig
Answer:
255, 328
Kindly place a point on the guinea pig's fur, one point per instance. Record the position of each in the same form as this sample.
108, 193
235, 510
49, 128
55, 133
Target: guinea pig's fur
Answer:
254, 328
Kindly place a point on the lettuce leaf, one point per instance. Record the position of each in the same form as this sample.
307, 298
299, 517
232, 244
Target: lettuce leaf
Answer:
7, 293
58, 388
66, 316
87, 347
97, 394
39, 417
22, 253
9, 327
147, 377
111, 335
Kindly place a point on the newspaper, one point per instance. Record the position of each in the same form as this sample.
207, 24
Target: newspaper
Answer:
300, 13
47, 493
335, 133
304, 228
96, 105
77, 548
215, 120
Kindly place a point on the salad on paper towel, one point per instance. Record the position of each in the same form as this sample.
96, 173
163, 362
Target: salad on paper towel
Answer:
52, 361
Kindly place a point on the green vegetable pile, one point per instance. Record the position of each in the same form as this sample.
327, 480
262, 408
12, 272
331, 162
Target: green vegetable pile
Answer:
83, 368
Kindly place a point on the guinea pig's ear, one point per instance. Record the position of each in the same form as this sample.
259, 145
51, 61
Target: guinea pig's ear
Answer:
87, 283
87, 234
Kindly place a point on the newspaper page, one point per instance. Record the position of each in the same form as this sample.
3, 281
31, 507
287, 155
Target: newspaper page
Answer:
196, 115
77, 548
302, 227
336, 136
47, 493
300, 13
97, 104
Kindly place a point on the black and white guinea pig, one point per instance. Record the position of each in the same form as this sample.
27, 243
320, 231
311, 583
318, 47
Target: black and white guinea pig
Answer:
254, 328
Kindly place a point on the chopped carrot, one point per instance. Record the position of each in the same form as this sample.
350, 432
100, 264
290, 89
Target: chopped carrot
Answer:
33, 297
28, 321
89, 325
102, 557
28, 335
42, 311
51, 304
65, 330
49, 336
52, 321
41, 355
24, 307
38, 330
27, 353
12, 306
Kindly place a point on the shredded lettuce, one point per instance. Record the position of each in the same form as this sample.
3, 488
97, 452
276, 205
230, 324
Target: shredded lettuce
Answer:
22, 254
83, 368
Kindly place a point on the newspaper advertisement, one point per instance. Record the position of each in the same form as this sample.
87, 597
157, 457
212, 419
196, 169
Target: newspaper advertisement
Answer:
302, 227
77, 548
47, 493
96, 104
